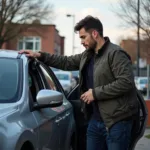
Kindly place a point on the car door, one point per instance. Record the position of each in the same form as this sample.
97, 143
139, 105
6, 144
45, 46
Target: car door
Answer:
81, 123
138, 126
140, 122
64, 119
48, 129
67, 126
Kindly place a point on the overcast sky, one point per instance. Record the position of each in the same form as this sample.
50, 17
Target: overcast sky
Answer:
80, 8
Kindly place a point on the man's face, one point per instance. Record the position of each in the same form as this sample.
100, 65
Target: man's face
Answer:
87, 39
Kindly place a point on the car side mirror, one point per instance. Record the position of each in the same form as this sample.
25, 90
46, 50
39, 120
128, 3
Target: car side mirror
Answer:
48, 98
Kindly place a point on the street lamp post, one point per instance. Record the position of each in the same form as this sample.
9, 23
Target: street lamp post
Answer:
73, 36
138, 37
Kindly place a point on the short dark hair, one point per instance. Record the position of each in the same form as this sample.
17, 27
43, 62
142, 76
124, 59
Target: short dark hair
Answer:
88, 23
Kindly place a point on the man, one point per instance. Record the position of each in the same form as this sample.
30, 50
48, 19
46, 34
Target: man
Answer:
107, 86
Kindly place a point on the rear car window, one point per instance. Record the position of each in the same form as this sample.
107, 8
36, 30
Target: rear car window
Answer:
9, 80
143, 81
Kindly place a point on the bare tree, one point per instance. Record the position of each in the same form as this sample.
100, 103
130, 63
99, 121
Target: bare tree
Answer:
127, 11
17, 15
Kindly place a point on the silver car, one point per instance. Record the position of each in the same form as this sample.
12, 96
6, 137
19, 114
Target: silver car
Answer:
34, 112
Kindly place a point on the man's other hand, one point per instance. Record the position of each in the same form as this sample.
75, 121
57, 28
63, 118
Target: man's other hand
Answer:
87, 97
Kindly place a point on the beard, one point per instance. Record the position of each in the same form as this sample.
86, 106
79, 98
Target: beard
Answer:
92, 45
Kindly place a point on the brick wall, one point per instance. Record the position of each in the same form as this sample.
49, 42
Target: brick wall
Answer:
130, 46
148, 107
49, 38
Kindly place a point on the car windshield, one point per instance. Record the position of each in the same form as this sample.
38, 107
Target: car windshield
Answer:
62, 76
143, 81
9, 79
75, 73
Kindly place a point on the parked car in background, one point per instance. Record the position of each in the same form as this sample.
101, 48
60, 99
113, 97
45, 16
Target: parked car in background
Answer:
75, 73
135, 79
34, 111
66, 80
54, 69
141, 84
75, 76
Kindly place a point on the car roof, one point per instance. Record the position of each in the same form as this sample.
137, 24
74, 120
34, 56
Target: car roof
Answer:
139, 78
10, 53
63, 72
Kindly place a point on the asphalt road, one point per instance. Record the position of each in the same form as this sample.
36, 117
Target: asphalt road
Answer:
144, 143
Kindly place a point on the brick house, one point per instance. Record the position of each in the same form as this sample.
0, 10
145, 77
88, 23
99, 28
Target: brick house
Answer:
130, 46
38, 37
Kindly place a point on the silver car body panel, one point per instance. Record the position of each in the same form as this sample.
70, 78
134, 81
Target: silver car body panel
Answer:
44, 129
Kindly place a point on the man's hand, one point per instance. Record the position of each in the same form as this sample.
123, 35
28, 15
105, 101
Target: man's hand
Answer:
30, 53
87, 97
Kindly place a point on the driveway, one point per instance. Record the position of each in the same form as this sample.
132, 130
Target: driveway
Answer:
144, 143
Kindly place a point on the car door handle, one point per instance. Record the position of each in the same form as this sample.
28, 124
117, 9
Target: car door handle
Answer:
58, 120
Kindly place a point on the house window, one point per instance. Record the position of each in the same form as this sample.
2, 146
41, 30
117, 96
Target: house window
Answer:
30, 43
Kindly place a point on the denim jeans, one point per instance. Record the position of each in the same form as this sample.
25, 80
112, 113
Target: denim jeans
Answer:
116, 138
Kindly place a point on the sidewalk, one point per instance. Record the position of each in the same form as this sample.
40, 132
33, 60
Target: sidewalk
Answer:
144, 143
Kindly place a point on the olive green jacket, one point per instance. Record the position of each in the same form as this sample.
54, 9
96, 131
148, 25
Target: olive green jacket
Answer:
114, 87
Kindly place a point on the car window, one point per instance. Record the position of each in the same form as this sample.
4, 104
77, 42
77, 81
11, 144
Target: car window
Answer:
143, 81
33, 87
49, 80
34, 81
62, 76
9, 80
75, 73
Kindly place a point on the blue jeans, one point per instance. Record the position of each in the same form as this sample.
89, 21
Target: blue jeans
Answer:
116, 138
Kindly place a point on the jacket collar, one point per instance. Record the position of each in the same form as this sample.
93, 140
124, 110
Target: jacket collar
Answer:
91, 52
103, 48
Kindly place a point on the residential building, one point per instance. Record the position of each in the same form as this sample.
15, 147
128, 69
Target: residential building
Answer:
38, 37
130, 46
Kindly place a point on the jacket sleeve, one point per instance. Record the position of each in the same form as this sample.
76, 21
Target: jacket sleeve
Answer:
121, 68
61, 62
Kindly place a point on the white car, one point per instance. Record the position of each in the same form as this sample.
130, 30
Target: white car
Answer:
141, 84
65, 79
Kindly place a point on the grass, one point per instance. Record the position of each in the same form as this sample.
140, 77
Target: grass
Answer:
147, 136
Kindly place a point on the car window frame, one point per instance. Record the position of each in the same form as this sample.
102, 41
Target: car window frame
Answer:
45, 80
38, 83
52, 75
42, 79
